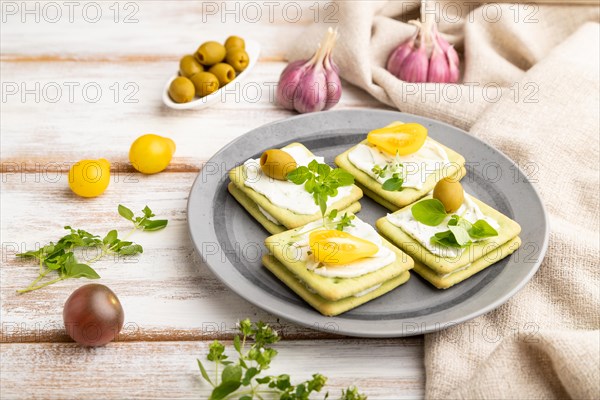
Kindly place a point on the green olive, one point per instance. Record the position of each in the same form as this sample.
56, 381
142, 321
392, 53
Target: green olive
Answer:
210, 53
235, 41
188, 66
181, 90
224, 73
237, 58
450, 192
277, 164
205, 83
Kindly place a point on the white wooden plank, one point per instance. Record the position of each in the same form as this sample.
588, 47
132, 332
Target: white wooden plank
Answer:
149, 28
52, 133
383, 369
167, 292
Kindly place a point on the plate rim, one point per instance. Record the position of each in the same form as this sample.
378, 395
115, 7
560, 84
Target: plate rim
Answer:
379, 333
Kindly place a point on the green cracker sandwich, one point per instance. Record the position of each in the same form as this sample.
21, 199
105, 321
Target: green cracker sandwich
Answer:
328, 307
330, 284
444, 281
271, 224
377, 172
444, 263
283, 203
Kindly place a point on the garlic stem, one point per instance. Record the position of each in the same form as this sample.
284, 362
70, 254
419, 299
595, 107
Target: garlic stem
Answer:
314, 57
325, 49
428, 20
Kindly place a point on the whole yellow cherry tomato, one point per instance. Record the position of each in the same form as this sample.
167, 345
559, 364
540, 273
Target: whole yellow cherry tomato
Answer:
151, 153
335, 247
399, 138
89, 178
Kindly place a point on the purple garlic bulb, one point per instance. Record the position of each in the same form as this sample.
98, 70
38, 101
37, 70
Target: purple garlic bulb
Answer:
432, 60
311, 85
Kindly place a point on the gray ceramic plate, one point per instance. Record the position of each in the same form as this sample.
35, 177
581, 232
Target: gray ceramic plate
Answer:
231, 241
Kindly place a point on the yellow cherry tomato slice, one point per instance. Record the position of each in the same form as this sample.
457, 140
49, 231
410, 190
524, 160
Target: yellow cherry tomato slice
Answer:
403, 139
89, 178
335, 247
151, 153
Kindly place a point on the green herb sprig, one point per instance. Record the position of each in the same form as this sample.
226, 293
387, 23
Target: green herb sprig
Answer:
60, 256
243, 379
395, 169
344, 222
460, 233
321, 181
143, 223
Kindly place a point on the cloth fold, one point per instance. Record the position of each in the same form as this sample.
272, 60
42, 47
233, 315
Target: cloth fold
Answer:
530, 89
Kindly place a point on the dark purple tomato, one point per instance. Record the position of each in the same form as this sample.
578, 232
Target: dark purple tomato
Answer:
93, 315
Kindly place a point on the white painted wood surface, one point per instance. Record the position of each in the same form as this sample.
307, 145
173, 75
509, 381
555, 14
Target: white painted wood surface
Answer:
173, 304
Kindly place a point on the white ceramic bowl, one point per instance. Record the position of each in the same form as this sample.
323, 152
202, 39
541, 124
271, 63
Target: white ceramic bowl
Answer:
253, 50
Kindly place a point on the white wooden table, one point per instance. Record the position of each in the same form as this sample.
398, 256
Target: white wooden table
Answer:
72, 89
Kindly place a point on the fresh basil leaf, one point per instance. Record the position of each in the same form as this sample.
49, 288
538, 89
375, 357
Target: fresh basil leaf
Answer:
313, 166
125, 212
232, 373
321, 181
250, 373
110, 237
263, 380
323, 203
82, 271
299, 175
323, 170
236, 343
343, 178
316, 383
430, 212
461, 236
456, 220
224, 389
481, 229
130, 250
147, 212
31, 253
155, 225
332, 214
301, 391
310, 184
393, 184
445, 238
203, 372
53, 265
283, 382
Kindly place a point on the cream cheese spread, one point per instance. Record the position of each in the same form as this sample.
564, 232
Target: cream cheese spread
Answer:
286, 194
422, 233
416, 167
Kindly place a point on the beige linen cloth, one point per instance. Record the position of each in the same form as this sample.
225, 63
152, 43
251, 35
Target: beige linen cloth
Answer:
545, 342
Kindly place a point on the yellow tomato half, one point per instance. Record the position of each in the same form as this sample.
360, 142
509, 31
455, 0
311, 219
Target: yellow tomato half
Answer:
399, 138
151, 153
335, 247
89, 178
